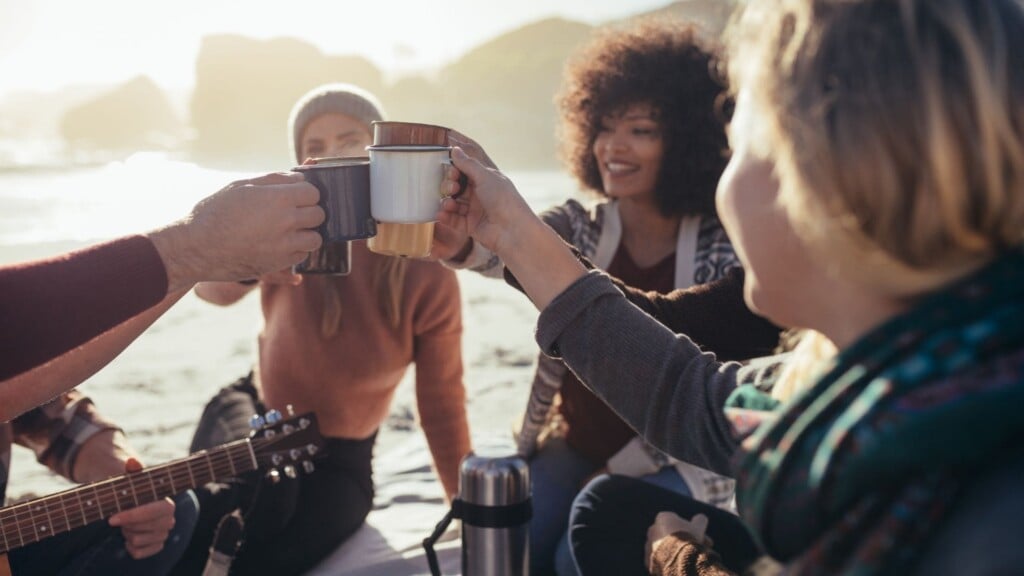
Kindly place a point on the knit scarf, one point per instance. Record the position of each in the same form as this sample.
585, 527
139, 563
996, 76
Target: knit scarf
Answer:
855, 474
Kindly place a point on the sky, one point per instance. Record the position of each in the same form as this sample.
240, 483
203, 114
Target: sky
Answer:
48, 44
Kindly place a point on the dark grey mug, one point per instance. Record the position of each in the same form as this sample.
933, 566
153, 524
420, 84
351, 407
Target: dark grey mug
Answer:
344, 185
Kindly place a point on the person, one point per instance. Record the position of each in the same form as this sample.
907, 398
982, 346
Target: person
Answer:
337, 346
641, 131
54, 305
104, 296
873, 196
73, 439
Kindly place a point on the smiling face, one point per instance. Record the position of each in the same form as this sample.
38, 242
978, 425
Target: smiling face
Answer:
334, 135
628, 150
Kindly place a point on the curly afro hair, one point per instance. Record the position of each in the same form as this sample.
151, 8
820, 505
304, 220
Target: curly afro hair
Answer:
671, 67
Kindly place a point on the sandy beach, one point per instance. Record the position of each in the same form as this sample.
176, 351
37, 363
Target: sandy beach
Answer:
156, 389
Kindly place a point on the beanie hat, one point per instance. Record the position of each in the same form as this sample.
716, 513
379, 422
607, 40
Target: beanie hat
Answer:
327, 99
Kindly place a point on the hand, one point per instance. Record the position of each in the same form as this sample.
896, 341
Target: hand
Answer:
471, 148
490, 209
249, 228
668, 523
145, 528
448, 242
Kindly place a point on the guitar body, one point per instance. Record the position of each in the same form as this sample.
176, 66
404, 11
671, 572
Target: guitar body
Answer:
5, 566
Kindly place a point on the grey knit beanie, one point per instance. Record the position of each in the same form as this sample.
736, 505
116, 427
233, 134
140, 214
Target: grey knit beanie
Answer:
332, 98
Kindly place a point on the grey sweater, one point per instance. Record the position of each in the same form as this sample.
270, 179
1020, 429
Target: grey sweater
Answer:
675, 399
676, 393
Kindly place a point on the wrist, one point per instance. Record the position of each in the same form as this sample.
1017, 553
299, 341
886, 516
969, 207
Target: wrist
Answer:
182, 261
463, 253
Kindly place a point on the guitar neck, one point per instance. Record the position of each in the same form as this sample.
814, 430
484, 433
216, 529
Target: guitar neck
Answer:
30, 522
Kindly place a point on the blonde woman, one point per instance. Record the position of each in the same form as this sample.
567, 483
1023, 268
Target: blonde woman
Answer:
337, 346
876, 196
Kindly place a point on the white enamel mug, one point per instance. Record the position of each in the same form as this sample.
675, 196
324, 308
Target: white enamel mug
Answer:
406, 182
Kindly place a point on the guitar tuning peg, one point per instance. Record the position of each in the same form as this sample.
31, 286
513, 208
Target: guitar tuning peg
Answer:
304, 423
274, 476
311, 449
308, 467
256, 422
287, 429
290, 410
276, 459
273, 417
295, 453
290, 472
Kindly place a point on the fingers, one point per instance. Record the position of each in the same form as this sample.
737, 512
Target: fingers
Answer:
145, 528
156, 513
309, 216
132, 465
275, 178
304, 241
471, 167
302, 193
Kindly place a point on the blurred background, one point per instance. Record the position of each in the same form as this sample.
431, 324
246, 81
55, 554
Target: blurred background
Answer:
117, 116
212, 81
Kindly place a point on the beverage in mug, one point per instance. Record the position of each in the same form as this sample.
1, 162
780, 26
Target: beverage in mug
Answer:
405, 240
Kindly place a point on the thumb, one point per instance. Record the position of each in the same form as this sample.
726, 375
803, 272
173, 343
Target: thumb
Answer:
469, 166
700, 525
132, 464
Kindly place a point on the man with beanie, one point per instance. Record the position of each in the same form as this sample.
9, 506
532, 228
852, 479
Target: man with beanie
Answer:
337, 346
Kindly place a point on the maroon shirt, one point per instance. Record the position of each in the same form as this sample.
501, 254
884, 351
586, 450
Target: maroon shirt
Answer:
593, 429
51, 306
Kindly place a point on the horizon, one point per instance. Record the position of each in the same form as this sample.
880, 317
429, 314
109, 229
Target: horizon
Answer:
48, 45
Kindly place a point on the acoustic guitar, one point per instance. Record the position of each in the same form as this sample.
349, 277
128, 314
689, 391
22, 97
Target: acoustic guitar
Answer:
278, 445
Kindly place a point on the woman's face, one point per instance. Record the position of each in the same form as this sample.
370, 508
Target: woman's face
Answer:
782, 282
628, 150
334, 135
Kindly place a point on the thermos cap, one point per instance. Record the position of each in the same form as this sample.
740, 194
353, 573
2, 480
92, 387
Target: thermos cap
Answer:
494, 475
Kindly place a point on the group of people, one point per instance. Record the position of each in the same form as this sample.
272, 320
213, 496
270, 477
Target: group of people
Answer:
851, 171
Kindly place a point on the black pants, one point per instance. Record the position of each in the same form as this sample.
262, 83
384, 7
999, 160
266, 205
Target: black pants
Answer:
610, 517
289, 526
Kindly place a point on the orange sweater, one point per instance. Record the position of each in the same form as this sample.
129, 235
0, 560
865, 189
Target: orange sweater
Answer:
350, 378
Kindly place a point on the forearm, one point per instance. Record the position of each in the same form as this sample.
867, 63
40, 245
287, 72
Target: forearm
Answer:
49, 307
658, 382
541, 278
102, 456
39, 385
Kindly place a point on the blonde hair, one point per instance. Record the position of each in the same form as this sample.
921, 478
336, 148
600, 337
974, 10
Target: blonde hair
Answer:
388, 282
895, 127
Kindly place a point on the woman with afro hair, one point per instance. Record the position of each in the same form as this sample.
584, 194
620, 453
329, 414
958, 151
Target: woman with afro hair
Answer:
641, 131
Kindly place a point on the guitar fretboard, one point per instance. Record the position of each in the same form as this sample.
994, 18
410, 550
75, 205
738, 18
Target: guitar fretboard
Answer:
30, 522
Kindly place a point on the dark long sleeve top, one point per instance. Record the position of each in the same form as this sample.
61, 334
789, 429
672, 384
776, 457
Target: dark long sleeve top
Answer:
677, 393
51, 306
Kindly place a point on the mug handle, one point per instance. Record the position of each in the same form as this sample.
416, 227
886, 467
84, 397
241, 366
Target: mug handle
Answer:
463, 180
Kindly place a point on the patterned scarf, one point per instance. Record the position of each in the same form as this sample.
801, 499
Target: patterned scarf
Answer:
855, 474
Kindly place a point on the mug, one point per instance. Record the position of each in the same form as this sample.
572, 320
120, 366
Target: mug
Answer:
389, 133
406, 182
344, 185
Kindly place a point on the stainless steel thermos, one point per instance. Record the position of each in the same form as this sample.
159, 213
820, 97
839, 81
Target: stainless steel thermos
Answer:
495, 508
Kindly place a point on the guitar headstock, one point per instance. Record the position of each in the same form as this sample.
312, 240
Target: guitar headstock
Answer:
285, 445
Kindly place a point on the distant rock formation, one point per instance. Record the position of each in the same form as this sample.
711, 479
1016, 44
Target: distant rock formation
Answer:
133, 116
501, 92
245, 89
